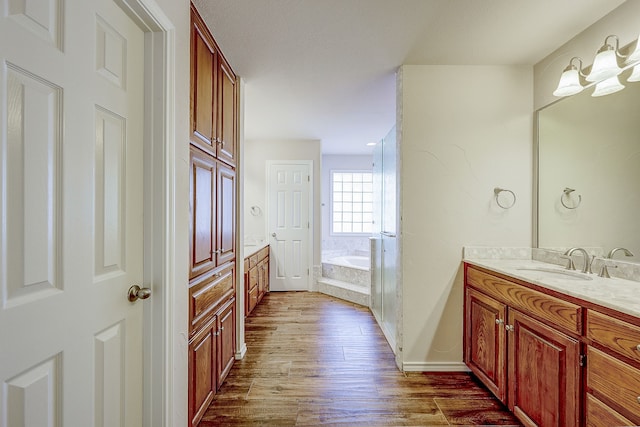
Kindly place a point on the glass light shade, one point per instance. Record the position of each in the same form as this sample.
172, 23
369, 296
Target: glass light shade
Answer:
635, 55
635, 74
608, 86
605, 66
569, 83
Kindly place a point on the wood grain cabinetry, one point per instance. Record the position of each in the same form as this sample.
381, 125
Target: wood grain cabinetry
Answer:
214, 97
532, 367
553, 359
256, 278
212, 208
613, 370
211, 356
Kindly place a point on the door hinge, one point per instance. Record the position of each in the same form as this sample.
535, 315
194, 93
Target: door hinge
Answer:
308, 178
583, 360
307, 271
308, 225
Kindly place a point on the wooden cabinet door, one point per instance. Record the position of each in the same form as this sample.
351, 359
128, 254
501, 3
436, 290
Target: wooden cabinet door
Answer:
202, 371
485, 347
544, 373
202, 211
226, 339
226, 214
204, 65
227, 113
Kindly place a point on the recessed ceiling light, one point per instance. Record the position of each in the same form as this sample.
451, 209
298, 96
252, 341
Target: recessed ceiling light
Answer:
371, 144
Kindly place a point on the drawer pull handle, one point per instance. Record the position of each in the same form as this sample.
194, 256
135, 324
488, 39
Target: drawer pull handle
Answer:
509, 328
499, 321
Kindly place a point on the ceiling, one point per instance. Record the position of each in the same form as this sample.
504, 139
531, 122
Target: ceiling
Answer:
325, 69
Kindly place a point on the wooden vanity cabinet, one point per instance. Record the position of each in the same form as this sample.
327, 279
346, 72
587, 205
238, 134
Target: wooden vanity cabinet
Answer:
256, 278
613, 370
532, 367
485, 349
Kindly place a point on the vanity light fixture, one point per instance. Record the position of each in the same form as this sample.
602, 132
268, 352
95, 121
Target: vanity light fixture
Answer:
570, 80
604, 71
608, 86
605, 64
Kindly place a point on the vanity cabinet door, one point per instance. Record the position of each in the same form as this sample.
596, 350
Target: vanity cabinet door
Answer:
485, 350
544, 373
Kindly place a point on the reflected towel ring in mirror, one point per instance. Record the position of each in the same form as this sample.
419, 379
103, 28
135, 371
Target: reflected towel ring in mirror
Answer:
567, 193
504, 204
255, 210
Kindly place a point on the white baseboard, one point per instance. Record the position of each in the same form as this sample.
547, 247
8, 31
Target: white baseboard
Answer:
434, 367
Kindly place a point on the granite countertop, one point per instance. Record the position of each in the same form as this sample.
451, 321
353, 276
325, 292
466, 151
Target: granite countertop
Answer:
618, 294
250, 249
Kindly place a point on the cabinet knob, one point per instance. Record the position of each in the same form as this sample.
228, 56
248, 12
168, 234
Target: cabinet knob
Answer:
638, 399
638, 347
509, 328
222, 328
499, 321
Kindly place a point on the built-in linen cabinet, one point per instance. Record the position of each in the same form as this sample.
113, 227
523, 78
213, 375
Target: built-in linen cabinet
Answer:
212, 225
553, 359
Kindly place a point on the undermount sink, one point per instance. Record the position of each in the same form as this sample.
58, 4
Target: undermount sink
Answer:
556, 273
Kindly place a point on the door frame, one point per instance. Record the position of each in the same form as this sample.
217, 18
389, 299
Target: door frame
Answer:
159, 208
310, 231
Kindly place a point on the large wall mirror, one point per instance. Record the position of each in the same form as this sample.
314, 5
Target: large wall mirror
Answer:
589, 172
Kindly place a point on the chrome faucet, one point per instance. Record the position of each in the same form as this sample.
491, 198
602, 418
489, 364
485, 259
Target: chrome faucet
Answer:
587, 264
604, 270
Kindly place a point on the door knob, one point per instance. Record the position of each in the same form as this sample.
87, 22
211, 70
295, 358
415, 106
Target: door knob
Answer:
136, 292
273, 234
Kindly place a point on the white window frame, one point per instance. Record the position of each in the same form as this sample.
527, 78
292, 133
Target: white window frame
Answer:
331, 202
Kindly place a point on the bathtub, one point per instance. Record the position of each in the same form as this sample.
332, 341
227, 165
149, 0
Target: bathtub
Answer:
352, 261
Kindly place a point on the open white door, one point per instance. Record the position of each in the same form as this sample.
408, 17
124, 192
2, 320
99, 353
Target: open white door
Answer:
289, 225
71, 185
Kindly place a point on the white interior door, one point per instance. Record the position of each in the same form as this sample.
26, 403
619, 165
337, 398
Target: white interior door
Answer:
289, 226
71, 116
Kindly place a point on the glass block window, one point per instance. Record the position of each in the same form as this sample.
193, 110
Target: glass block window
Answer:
351, 202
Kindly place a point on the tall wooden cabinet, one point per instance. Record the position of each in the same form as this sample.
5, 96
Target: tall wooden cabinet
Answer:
212, 208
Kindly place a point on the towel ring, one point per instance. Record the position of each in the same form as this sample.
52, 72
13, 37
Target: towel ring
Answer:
567, 193
496, 194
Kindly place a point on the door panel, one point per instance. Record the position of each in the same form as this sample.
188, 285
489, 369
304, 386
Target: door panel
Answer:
71, 213
202, 205
227, 113
203, 77
289, 226
544, 373
226, 214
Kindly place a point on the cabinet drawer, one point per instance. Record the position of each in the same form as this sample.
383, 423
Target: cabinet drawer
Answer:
600, 415
560, 313
207, 295
263, 253
614, 381
617, 335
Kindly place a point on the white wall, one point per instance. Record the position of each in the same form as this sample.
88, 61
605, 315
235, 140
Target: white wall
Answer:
257, 152
464, 131
340, 162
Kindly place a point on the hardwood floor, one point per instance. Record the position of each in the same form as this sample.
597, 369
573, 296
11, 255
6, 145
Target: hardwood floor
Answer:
317, 360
